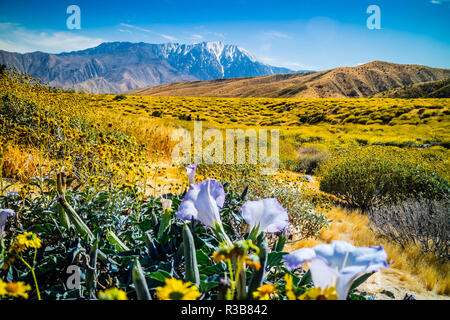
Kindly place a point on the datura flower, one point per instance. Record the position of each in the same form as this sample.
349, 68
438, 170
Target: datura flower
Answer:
266, 215
338, 264
112, 294
14, 289
177, 290
203, 202
191, 172
4, 214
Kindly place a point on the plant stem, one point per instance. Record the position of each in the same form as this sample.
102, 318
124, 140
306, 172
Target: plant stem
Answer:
32, 273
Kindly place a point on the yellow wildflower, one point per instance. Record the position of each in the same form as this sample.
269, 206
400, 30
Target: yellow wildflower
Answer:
112, 294
328, 293
221, 255
177, 290
253, 262
26, 240
14, 289
264, 292
289, 287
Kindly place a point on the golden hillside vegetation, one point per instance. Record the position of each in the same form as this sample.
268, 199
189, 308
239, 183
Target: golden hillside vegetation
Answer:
361, 81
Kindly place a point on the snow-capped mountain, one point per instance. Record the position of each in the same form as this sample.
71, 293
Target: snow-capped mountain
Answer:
115, 67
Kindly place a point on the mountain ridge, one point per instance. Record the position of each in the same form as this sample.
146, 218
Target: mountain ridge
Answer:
361, 81
114, 67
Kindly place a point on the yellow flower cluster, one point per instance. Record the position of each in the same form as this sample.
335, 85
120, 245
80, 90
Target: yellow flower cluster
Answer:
290, 287
239, 250
177, 290
14, 289
265, 292
112, 294
328, 293
320, 294
26, 241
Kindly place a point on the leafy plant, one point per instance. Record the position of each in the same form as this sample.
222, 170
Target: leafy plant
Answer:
365, 177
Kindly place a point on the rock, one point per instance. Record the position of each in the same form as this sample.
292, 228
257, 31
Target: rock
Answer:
409, 297
388, 293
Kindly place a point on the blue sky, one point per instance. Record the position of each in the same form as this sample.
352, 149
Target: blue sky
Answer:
296, 34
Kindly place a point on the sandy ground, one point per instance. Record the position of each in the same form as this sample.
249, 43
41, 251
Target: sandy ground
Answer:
387, 285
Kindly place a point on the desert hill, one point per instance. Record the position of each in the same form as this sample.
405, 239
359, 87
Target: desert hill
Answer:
430, 89
361, 81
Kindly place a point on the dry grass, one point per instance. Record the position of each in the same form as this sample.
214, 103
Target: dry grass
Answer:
18, 163
412, 268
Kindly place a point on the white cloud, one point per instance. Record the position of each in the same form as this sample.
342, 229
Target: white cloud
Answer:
170, 38
197, 37
16, 38
439, 1
165, 36
137, 28
275, 35
284, 63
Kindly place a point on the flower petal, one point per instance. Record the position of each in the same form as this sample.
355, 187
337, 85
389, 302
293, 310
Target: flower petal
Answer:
208, 210
4, 214
202, 202
268, 214
345, 280
297, 258
345, 260
217, 192
322, 274
191, 172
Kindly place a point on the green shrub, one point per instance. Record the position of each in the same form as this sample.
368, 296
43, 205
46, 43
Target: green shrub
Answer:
157, 113
370, 176
310, 158
119, 97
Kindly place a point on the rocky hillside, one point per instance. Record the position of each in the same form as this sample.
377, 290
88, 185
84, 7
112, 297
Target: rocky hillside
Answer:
361, 81
430, 89
119, 66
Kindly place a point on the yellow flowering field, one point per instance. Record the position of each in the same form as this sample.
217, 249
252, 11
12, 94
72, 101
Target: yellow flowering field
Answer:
87, 184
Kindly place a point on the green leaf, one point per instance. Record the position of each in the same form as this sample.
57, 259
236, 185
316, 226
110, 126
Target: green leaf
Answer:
140, 284
274, 258
202, 257
360, 280
206, 286
160, 275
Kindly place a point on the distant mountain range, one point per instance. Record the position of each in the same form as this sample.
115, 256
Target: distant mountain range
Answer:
120, 66
362, 81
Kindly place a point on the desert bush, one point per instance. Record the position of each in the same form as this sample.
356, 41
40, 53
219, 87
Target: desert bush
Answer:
157, 113
119, 97
424, 223
366, 177
309, 159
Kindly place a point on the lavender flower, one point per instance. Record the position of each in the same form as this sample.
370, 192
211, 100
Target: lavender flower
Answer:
265, 215
191, 172
203, 202
4, 214
338, 264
